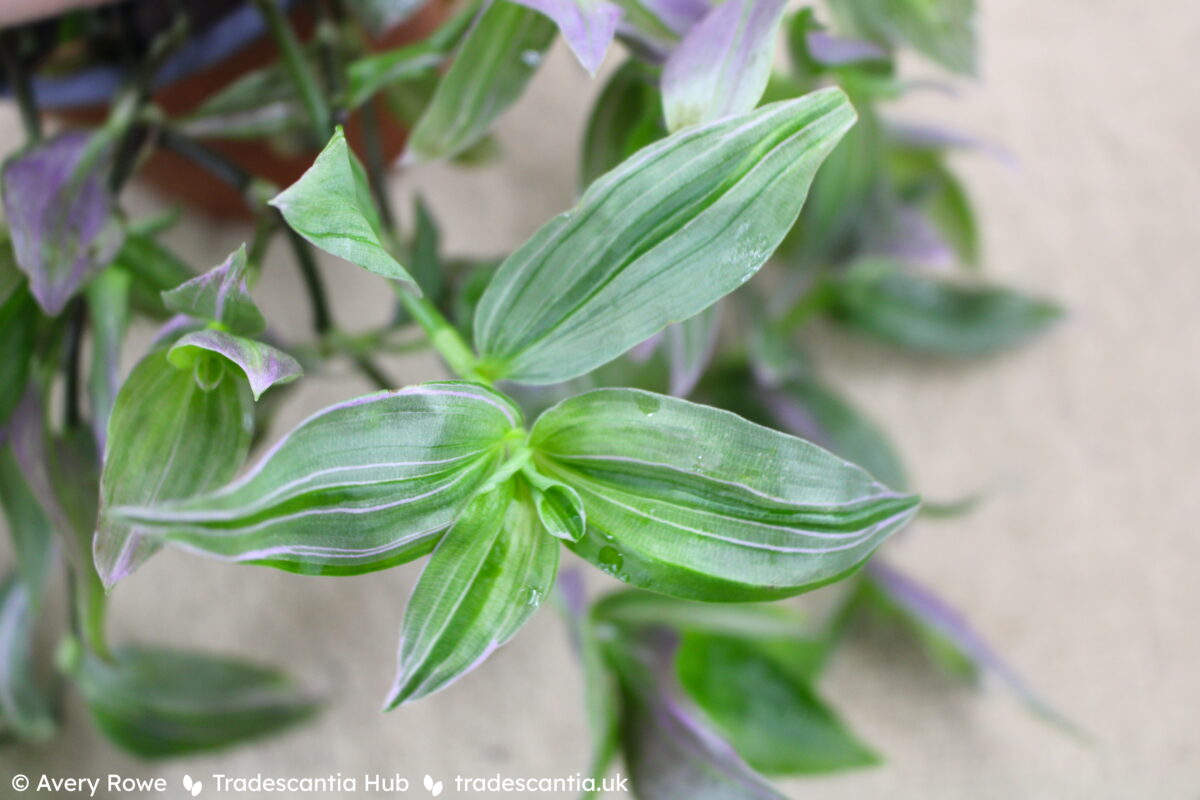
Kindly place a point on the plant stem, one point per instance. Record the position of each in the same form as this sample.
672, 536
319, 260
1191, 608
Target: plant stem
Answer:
18, 80
313, 284
444, 338
210, 160
297, 68
71, 383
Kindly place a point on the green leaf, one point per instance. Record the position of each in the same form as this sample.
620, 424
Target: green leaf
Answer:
669, 753
696, 502
881, 299
359, 486
558, 506
18, 321
331, 206
488, 74
263, 365
262, 103
636, 608
220, 295
108, 308
168, 437
807, 408
366, 76
487, 577
427, 265
154, 269
156, 703
830, 223
942, 30
24, 706
627, 116
771, 717
663, 236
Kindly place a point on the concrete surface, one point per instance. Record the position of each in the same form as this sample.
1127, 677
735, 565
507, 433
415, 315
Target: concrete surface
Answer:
1081, 565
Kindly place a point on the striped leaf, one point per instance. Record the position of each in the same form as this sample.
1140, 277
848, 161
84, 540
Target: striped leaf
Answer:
220, 295
168, 437
696, 502
360, 486
489, 72
666, 234
588, 26
331, 206
486, 578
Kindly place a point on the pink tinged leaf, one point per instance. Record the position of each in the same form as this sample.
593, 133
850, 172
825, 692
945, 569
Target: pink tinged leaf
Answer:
932, 611
588, 26
61, 216
263, 365
932, 137
722, 66
220, 295
908, 235
836, 51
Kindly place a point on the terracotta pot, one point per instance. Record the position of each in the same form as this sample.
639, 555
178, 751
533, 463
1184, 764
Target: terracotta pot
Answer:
177, 178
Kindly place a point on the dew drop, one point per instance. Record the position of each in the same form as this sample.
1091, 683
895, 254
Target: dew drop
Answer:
648, 404
531, 58
611, 560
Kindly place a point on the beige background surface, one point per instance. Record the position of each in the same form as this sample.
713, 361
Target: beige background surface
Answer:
1081, 566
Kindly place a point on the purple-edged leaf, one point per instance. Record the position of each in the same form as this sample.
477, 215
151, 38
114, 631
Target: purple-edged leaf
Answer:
907, 234
61, 215
669, 752
220, 295
62, 473
946, 635
838, 51
264, 365
722, 66
588, 26
678, 16
168, 437
360, 486
487, 577
806, 408
690, 348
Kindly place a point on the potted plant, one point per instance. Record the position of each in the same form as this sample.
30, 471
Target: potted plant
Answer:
622, 387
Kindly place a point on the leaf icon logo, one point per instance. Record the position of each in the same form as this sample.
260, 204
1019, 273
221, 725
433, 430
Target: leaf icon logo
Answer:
432, 786
194, 787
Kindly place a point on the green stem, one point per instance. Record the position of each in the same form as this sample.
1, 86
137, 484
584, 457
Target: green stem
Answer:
91, 611
297, 67
444, 338
313, 284
71, 365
